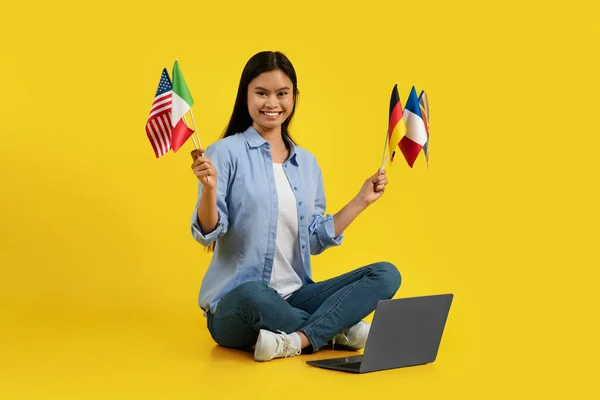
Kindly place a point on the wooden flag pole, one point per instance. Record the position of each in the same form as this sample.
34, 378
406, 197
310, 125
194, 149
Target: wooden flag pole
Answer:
199, 146
383, 154
195, 130
194, 141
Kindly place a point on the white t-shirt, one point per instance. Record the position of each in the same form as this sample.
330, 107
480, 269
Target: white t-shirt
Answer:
287, 248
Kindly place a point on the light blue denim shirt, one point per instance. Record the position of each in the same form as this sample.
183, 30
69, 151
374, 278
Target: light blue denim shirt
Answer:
247, 206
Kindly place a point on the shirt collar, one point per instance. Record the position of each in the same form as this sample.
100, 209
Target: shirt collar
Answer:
253, 137
255, 140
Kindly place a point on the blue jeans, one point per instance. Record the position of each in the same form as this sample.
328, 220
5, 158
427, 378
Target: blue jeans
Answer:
320, 310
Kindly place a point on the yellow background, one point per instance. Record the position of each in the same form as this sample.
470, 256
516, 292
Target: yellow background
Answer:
99, 273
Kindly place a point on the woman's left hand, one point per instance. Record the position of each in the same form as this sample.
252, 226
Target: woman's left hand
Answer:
373, 188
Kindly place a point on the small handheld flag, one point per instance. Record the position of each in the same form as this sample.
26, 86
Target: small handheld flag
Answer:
182, 103
416, 134
396, 127
158, 126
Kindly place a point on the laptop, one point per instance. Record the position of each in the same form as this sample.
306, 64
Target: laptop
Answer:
404, 332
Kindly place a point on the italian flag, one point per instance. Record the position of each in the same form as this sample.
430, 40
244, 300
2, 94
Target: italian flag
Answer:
181, 103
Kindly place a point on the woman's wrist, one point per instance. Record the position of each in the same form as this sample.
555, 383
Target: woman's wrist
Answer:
359, 202
208, 191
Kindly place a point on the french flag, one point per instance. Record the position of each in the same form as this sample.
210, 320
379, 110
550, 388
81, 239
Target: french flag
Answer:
416, 135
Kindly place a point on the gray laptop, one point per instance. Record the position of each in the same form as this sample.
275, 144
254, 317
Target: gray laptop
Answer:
404, 332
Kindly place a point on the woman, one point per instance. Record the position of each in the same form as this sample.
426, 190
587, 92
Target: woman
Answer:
261, 209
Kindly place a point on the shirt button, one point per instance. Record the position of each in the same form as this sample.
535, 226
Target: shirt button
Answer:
285, 165
300, 203
301, 218
295, 188
303, 247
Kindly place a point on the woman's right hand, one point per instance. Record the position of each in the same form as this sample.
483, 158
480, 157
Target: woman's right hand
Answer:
204, 170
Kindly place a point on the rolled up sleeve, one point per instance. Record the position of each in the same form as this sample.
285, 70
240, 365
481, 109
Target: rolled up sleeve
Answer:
209, 238
221, 163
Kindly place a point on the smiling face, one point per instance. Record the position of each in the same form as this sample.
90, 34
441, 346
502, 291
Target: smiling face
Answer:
270, 100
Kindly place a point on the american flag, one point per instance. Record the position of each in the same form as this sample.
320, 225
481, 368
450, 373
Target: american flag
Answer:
158, 127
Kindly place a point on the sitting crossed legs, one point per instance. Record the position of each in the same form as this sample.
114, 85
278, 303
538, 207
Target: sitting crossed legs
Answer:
254, 314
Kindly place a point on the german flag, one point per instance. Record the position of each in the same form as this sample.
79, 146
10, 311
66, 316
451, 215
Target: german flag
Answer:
397, 126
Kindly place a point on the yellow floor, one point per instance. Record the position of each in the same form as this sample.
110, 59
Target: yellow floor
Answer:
172, 356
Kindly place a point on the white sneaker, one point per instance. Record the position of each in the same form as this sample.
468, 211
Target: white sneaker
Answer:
354, 337
273, 345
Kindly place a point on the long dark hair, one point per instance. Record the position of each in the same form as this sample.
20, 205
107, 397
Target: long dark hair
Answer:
259, 63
